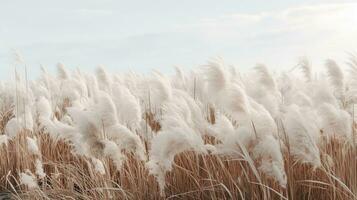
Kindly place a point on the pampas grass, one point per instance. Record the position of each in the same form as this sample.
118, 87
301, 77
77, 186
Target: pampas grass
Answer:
211, 133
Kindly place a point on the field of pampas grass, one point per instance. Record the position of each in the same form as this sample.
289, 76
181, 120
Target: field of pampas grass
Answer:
207, 133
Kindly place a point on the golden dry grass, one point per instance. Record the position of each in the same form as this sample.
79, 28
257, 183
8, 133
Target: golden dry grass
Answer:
193, 176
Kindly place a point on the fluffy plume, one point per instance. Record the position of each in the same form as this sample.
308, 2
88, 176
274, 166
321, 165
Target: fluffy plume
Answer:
104, 80
321, 94
301, 99
266, 78
39, 169
90, 134
98, 166
106, 111
113, 152
32, 146
305, 66
235, 102
179, 80
44, 108
302, 135
57, 129
336, 76
216, 75
62, 71
160, 89
272, 164
128, 107
12, 128
335, 123
28, 179
229, 136
126, 140
168, 143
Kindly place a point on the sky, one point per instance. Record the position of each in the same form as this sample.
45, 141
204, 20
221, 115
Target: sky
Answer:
158, 34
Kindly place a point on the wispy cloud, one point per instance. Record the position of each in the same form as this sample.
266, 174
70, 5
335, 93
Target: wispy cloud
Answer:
304, 19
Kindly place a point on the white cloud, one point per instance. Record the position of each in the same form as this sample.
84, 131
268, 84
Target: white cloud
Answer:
324, 17
276, 37
317, 18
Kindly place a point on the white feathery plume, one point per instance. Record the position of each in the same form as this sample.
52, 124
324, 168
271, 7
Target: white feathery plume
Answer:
196, 114
262, 120
81, 86
57, 129
160, 89
232, 138
351, 95
62, 71
106, 110
272, 163
176, 107
302, 135
126, 140
335, 123
301, 99
127, 106
179, 79
197, 87
321, 94
92, 86
235, 102
32, 146
263, 146
306, 68
103, 78
216, 77
28, 122
28, 179
39, 169
133, 81
113, 152
73, 89
45, 77
229, 137
266, 91
87, 127
98, 166
69, 91
165, 146
265, 78
39, 90
66, 119
44, 109
124, 137
170, 142
106, 120
336, 77
285, 85
12, 128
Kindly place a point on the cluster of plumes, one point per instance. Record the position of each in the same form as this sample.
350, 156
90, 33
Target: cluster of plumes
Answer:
257, 116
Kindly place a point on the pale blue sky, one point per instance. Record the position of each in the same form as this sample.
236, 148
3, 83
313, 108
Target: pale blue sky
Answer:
142, 35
